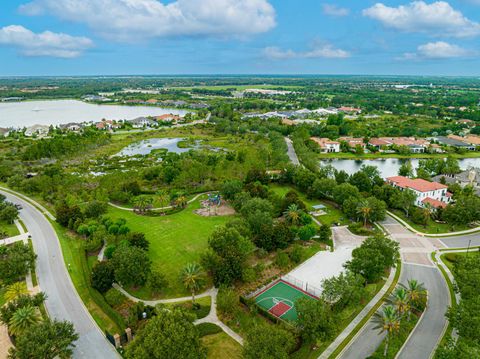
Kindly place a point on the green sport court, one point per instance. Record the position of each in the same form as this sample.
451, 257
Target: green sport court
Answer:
279, 300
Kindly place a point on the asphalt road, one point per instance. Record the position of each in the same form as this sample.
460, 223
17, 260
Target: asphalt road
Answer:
461, 241
291, 152
63, 302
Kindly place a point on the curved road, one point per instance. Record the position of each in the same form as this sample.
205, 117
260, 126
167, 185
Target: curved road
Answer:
63, 302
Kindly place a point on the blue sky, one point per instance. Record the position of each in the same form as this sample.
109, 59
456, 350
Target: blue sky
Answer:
110, 37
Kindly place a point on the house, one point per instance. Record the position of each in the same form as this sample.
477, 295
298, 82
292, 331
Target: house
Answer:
353, 142
287, 122
168, 118
469, 123
454, 142
152, 101
428, 193
37, 130
415, 145
351, 110
4, 132
470, 139
141, 122
106, 125
73, 127
327, 145
470, 177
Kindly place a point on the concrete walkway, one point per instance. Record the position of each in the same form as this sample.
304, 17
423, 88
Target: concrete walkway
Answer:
156, 209
212, 316
291, 152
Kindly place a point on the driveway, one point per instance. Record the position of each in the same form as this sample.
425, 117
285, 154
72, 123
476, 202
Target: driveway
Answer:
291, 152
63, 302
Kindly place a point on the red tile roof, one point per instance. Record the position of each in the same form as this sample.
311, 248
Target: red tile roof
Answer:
434, 203
418, 184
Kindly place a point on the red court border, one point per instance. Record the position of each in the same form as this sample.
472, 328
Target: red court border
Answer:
284, 307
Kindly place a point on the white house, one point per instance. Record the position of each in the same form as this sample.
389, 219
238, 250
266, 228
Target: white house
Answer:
39, 130
432, 193
141, 122
327, 145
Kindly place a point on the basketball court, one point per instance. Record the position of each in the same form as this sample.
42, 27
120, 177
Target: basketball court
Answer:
279, 300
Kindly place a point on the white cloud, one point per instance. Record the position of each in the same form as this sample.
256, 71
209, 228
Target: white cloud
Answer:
133, 20
335, 10
43, 44
323, 51
437, 18
438, 50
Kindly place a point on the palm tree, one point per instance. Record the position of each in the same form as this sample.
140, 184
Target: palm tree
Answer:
23, 319
293, 213
416, 291
388, 321
142, 203
401, 300
193, 278
365, 210
15, 290
163, 198
181, 202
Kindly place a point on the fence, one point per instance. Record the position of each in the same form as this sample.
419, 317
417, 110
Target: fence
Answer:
305, 286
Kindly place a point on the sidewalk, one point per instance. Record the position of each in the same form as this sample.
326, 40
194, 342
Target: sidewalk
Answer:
449, 234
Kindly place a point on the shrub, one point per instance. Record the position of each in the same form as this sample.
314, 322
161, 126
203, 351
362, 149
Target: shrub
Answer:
296, 254
282, 260
227, 301
102, 276
248, 275
205, 329
114, 298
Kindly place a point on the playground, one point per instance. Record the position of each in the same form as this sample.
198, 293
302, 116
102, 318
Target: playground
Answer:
214, 205
279, 300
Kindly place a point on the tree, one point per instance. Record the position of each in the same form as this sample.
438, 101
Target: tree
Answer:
388, 321
137, 239
47, 340
22, 320
227, 301
15, 290
132, 265
306, 233
270, 342
231, 188
400, 300
25, 300
9, 213
416, 292
404, 200
157, 281
103, 276
163, 198
343, 289
193, 278
229, 252
406, 169
323, 187
325, 233
16, 261
95, 209
315, 319
344, 191
364, 209
293, 214
373, 257
169, 334
181, 202
143, 203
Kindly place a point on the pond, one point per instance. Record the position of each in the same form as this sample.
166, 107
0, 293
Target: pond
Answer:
56, 112
145, 147
387, 166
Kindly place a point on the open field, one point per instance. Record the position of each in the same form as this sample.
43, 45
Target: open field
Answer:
175, 240
220, 346
10, 229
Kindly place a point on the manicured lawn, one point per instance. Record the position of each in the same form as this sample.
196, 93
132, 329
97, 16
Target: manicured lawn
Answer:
175, 240
220, 346
333, 214
432, 227
10, 229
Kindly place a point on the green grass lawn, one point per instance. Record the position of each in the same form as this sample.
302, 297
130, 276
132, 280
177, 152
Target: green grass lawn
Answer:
220, 346
432, 227
333, 214
10, 229
175, 240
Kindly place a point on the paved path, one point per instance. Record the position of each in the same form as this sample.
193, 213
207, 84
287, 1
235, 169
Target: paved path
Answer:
157, 209
212, 316
291, 152
63, 302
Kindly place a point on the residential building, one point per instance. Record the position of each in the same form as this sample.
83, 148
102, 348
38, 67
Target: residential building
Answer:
37, 130
4, 132
415, 145
454, 142
141, 122
351, 110
469, 139
73, 127
353, 142
470, 177
168, 118
327, 145
428, 193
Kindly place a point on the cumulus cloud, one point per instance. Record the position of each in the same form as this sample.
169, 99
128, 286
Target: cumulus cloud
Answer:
43, 44
133, 20
437, 18
335, 10
323, 51
438, 50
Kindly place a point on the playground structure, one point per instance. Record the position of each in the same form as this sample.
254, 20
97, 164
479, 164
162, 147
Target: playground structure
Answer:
214, 205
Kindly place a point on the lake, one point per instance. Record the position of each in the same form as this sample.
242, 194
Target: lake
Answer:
387, 166
145, 147
56, 112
